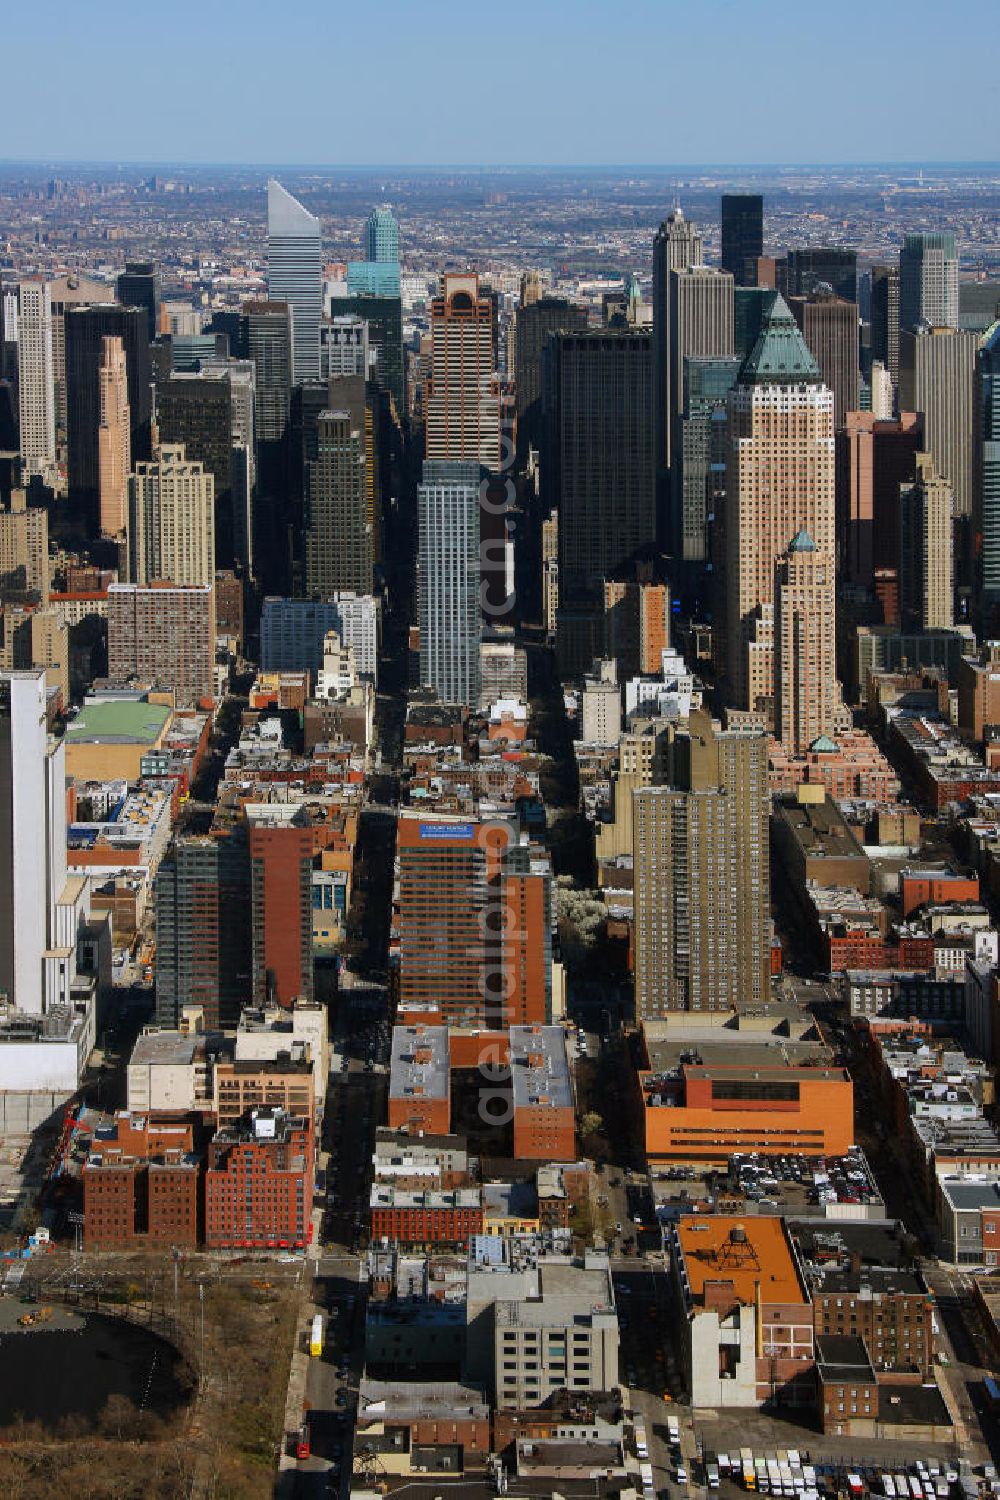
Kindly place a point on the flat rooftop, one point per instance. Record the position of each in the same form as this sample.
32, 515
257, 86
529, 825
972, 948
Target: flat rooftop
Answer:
539, 1067
820, 830
750, 1253
121, 721
177, 1049
419, 1063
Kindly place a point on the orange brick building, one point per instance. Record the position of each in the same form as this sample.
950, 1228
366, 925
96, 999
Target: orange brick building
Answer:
746, 1319
474, 922
707, 1113
525, 1072
281, 912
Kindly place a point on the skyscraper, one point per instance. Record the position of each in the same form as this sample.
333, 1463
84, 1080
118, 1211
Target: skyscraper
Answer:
701, 326
67, 292
815, 268
874, 459
203, 911
677, 245
171, 530
382, 235
599, 459
830, 328
449, 563
937, 369
196, 412
702, 898
32, 848
266, 338
475, 914
463, 397
698, 474
294, 274
35, 378
281, 850
384, 318
779, 481
114, 438
928, 281
164, 635
24, 551
139, 286
807, 700
742, 235
535, 321
885, 318
925, 550
986, 469
86, 330
339, 538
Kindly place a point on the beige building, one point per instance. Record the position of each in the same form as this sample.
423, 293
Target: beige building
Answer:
463, 393
36, 638
279, 1083
779, 481
36, 391
701, 876
163, 637
114, 438
550, 570
926, 581
549, 1327
937, 369
640, 763
601, 708
24, 547
807, 698
171, 525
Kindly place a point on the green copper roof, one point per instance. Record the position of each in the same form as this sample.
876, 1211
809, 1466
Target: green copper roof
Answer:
824, 745
802, 542
780, 355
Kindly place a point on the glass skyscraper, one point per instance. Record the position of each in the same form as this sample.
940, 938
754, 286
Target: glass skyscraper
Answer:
450, 612
986, 483
382, 235
295, 274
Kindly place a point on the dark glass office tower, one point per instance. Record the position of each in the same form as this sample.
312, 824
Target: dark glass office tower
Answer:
822, 266
533, 325
384, 316
599, 411
139, 286
86, 328
742, 235
197, 410
885, 318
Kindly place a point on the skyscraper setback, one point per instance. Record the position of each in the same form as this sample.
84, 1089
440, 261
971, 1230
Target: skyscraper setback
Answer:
294, 274
779, 481
677, 245
171, 531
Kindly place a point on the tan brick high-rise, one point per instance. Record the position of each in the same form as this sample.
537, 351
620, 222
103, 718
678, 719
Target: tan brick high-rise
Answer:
779, 481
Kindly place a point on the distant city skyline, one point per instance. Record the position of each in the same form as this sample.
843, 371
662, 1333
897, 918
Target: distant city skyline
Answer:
687, 85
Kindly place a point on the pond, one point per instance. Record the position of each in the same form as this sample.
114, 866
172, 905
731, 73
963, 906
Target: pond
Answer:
71, 1366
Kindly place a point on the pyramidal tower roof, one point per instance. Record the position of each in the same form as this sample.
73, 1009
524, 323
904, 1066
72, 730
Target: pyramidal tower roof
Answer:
780, 355
802, 542
285, 214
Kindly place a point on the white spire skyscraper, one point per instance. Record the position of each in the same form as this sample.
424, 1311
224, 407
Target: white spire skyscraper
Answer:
295, 274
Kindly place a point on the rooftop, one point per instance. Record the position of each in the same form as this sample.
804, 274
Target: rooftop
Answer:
121, 721
753, 1254
419, 1065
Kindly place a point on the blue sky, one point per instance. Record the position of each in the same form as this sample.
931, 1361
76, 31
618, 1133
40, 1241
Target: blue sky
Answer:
551, 81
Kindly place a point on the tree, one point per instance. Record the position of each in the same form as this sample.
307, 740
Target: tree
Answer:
591, 1123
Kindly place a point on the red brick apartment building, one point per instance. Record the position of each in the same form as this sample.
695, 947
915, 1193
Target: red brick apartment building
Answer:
142, 1187
258, 1187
